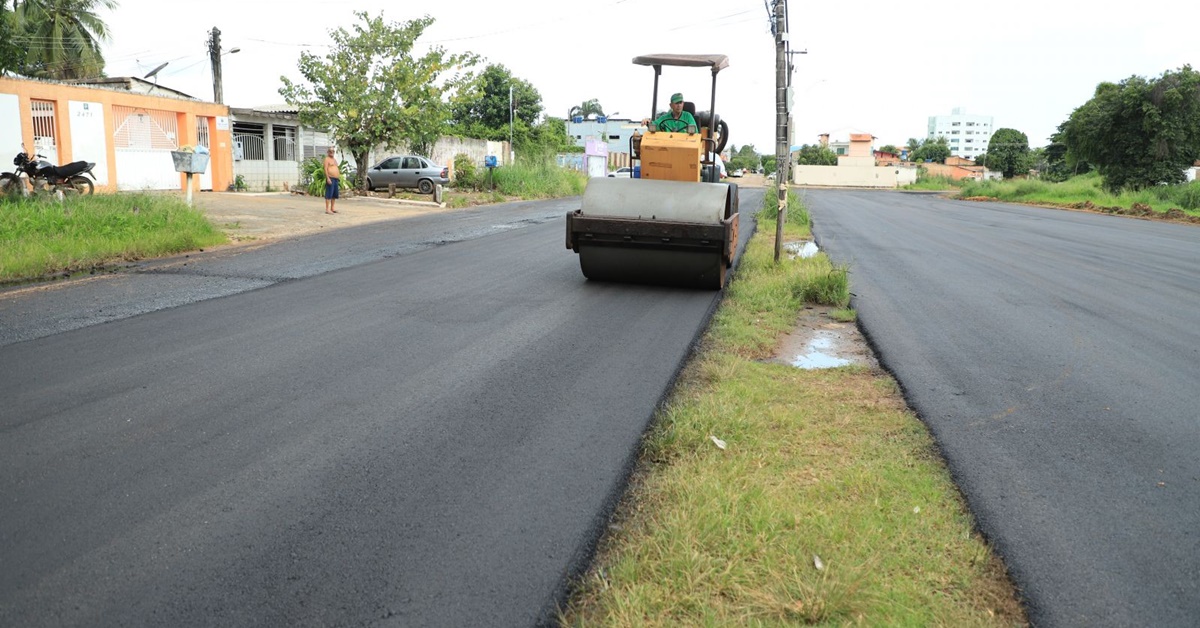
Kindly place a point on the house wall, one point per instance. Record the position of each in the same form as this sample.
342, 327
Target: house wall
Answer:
853, 176
263, 167
615, 132
446, 148
84, 131
954, 172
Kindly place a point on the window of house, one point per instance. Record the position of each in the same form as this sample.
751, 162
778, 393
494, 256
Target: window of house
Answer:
249, 141
955, 123
285, 142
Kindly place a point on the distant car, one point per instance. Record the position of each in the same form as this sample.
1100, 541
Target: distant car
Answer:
407, 171
622, 173
737, 172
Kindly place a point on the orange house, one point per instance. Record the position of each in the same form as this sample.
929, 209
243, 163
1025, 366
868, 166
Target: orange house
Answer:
128, 135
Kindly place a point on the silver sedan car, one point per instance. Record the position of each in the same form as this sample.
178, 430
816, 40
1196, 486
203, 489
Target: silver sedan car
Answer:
407, 171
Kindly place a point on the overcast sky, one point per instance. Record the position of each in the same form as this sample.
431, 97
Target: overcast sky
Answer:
879, 67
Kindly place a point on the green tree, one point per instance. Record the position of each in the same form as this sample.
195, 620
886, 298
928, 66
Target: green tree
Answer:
890, 148
768, 162
1139, 132
10, 53
588, 109
370, 89
1061, 163
1008, 152
815, 155
913, 146
745, 157
981, 160
936, 150
62, 37
481, 108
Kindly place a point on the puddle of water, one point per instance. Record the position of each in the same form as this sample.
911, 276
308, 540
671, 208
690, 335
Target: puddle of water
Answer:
802, 250
817, 354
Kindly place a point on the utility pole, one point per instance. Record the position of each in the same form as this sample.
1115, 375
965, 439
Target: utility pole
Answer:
214, 54
782, 150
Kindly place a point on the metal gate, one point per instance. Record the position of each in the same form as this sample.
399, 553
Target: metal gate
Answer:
144, 139
202, 127
45, 135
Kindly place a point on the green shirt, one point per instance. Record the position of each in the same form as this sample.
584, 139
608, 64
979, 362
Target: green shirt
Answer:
667, 122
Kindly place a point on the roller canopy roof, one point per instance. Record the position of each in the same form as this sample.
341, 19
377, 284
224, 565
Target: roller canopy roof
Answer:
716, 62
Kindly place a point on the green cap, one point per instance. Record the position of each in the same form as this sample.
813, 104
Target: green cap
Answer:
676, 97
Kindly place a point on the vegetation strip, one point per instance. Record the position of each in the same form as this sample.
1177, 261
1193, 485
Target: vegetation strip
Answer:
42, 236
768, 494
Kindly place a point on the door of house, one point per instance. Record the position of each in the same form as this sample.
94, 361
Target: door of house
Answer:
202, 127
143, 141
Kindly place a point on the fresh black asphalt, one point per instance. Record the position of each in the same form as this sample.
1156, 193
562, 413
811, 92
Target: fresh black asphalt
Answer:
1055, 356
420, 422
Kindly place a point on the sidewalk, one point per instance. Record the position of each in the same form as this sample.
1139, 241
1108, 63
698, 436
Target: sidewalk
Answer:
259, 217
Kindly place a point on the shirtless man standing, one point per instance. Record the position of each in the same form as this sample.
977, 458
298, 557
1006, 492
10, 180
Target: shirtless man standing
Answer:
332, 177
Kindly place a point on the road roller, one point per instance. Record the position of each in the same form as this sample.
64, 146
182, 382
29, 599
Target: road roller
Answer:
675, 223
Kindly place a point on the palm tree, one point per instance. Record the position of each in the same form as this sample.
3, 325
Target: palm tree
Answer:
588, 109
62, 37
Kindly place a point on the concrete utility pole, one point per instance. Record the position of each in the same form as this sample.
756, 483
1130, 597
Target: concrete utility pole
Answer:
214, 54
782, 150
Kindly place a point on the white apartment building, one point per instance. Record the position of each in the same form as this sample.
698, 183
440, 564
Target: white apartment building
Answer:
968, 135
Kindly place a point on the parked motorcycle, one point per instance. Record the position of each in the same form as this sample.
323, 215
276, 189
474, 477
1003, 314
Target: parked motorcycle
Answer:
43, 176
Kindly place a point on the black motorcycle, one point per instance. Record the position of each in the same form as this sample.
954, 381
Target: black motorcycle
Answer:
45, 177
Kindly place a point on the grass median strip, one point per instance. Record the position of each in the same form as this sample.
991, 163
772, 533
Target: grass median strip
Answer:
770, 495
41, 236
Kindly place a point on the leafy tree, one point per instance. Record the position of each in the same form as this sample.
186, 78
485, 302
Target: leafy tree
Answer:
890, 148
981, 160
769, 162
10, 53
745, 157
1138, 133
1061, 163
587, 109
370, 90
1008, 152
815, 155
481, 108
913, 146
63, 37
936, 150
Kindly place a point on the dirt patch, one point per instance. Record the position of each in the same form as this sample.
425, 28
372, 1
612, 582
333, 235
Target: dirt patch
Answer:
819, 341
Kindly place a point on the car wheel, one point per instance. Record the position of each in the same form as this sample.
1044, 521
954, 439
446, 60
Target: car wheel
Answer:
425, 186
370, 186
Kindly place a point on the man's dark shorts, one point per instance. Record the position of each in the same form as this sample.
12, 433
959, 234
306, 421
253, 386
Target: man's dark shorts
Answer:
331, 189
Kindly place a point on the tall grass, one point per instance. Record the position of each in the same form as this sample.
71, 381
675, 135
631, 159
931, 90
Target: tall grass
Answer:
42, 236
797, 218
938, 182
538, 176
1087, 188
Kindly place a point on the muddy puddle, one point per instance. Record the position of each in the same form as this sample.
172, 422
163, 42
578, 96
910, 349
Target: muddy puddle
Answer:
803, 249
819, 342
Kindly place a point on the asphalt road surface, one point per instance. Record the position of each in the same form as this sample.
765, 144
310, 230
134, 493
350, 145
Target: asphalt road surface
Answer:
1055, 356
421, 422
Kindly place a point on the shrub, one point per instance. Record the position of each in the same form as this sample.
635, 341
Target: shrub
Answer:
1189, 196
465, 174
